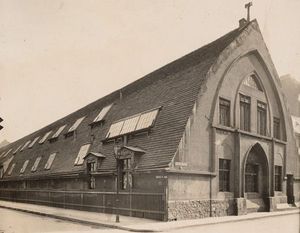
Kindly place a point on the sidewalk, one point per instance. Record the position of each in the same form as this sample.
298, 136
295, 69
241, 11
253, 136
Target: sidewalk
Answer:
130, 223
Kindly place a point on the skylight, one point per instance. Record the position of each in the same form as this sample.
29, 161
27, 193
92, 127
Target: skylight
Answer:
36, 164
43, 139
24, 166
2, 154
7, 153
58, 132
81, 154
50, 161
25, 145
33, 142
76, 124
102, 113
134, 123
6, 163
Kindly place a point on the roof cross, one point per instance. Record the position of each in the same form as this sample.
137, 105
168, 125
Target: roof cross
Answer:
248, 5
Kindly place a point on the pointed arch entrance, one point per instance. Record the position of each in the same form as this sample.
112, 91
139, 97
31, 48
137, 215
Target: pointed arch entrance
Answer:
256, 177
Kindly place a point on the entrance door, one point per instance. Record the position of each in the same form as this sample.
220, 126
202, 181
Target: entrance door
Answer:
256, 180
290, 189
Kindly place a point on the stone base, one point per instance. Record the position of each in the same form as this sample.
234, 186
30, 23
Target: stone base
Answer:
240, 206
191, 209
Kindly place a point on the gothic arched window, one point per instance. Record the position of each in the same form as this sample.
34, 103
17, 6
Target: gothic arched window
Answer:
252, 81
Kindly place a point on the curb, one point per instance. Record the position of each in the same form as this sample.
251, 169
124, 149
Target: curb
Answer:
277, 213
85, 222
220, 221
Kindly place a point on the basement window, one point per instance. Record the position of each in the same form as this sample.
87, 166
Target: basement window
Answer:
50, 161
36, 164
135, 123
11, 169
74, 127
24, 166
33, 142
81, 154
43, 139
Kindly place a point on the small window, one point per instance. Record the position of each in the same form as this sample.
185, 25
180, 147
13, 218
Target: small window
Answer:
245, 111
33, 142
50, 161
92, 182
24, 166
11, 169
224, 175
278, 178
58, 132
276, 127
91, 166
43, 139
261, 118
102, 113
36, 164
76, 124
251, 177
81, 154
224, 112
126, 176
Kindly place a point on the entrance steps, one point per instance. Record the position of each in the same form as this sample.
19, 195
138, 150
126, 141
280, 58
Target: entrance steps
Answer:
255, 205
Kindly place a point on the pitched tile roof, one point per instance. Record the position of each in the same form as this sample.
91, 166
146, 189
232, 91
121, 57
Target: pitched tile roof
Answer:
174, 87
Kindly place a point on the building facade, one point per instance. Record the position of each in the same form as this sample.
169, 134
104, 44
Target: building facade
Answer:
206, 135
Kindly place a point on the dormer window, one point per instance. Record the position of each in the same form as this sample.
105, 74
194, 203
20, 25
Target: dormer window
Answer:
133, 124
11, 169
24, 166
33, 142
36, 164
43, 139
100, 117
81, 154
56, 135
25, 145
74, 127
93, 161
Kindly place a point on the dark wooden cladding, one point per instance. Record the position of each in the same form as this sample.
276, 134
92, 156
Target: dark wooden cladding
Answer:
146, 205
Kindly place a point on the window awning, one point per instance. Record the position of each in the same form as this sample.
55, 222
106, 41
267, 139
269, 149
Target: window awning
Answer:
97, 154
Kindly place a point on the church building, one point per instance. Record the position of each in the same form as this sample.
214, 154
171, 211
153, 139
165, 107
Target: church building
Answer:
206, 135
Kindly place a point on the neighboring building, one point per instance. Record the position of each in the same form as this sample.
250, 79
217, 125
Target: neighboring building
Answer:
291, 90
206, 135
4, 143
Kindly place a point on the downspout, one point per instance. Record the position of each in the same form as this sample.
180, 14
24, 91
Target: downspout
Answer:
212, 165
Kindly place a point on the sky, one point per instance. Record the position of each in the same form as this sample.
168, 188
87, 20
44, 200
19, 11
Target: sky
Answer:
57, 56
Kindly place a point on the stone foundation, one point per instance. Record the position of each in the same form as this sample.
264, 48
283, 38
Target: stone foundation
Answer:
178, 210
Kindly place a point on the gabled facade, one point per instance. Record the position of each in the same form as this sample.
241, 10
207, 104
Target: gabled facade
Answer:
206, 135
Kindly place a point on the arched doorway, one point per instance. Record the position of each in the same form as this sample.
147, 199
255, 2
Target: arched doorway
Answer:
256, 179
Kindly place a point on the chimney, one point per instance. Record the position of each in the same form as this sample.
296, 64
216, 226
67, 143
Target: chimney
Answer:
242, 22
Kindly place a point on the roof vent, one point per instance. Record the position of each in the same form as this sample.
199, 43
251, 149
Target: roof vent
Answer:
242, 22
